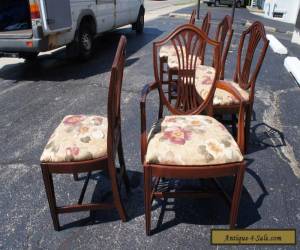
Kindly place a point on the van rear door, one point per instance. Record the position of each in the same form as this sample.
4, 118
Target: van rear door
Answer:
56, 15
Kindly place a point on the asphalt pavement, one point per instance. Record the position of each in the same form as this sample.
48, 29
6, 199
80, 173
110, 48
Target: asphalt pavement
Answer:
34, 97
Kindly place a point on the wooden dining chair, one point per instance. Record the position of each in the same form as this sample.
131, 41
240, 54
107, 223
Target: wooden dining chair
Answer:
86, 143
224, 36
193, 17
172, 63
252, 40
167, 54
186, 144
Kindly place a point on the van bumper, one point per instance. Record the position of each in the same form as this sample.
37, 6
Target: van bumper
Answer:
22, 45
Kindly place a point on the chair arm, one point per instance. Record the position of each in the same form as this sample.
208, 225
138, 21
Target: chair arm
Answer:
230, 89
146, 90
241, 120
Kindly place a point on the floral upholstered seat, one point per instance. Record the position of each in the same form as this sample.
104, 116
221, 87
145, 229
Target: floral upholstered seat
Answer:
191, 140
168, 52
77, 138
204, 78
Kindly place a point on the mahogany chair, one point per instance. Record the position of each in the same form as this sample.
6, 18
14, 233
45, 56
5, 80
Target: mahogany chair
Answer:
252, 40
185, 144
86, 143
193, 17
224, 36
172, 62
167, 53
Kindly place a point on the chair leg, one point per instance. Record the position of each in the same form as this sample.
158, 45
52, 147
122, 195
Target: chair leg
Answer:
247, 126
75, 176
161, 110
123, 166
236, 197
233, 125
49, 187
147, 198
161, 69
169, 85
116, 192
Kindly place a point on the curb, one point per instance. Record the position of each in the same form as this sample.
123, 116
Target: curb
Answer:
254, 9
276, 45
179, 15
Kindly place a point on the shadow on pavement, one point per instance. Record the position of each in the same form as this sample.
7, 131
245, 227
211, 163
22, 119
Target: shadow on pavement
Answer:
56, 67
212, 211
204, 211
263, 136
132, 201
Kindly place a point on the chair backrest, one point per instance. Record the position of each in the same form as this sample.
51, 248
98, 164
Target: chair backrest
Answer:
205, 28
206, 23
114, 99
193, 17
243, 75
224, 36
186, 40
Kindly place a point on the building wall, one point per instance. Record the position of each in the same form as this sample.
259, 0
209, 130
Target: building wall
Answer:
289, 8
296, 34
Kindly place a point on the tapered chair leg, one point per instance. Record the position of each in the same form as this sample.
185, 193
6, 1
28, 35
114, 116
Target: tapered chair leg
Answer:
147, 198
161, 69
238, 186
169, 85
233, 124
48, 181
75, 176
123, 166
116, 192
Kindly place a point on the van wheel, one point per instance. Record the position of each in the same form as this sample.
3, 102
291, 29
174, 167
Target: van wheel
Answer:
29, 56
238, 4
85, 42
139, 25
217, 3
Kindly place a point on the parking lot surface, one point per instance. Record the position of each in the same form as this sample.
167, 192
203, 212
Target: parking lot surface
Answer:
34, 97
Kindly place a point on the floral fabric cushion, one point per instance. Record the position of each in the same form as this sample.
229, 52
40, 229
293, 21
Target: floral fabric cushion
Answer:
204, 79
204, 75
77, 138
191, 140
169, 52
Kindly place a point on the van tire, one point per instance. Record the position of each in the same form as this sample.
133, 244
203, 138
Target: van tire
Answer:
238, 4
139, 24
85, 42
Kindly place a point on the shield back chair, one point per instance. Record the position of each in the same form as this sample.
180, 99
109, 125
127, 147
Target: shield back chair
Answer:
167, 51
172, 65
224, 36
185, 144
167, 55
86, 143
253, 44
193, 17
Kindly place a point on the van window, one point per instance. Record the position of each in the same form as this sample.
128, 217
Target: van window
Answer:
14, 15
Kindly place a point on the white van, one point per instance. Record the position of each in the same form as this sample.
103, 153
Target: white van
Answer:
28, 27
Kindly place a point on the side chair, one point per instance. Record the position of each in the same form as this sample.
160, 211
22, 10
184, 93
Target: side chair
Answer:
167, 55
189, 143
252, 40
86, 143
173, 64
